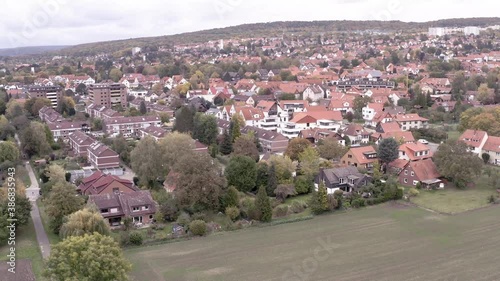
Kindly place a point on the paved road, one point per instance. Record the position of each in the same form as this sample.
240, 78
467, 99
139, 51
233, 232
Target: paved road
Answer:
41, 236
32, 192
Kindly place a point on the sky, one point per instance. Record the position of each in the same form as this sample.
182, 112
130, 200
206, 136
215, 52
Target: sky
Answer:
69, 22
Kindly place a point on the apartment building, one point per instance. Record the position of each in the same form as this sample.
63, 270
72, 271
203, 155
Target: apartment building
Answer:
108, 94
52, 93
130, 126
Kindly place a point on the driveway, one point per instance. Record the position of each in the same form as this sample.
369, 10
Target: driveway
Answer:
128, 174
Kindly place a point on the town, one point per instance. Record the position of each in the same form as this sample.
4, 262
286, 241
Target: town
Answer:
146, 144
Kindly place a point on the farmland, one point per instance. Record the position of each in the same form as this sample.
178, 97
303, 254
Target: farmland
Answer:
385, 242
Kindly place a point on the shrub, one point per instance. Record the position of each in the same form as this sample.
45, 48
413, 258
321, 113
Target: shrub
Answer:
136, 238
492, 199
370, 201
281, 211
199, 216
198, 227
346, 204
232, 212
124, 238
332, 202
298, 207
358, 203
183, 219
413, 192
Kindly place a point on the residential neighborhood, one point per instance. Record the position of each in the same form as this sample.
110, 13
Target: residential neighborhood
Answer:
387, 131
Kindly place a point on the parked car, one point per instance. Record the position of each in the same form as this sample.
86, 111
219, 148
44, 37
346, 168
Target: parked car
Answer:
423, 141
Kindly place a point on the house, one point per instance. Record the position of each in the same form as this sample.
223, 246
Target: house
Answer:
422, 171
114, 207
100, 183
270, 141
370, 110
414, 151
79, 142
399, 136
314, 93
356, 134
475, 140
492, 147
331, 120
411, 121
130, 126
361, 157
62, 129
347, 179
316, 135
103, 157
154, 132
48, 115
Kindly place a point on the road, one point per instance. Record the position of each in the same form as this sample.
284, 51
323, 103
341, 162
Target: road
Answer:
33, 192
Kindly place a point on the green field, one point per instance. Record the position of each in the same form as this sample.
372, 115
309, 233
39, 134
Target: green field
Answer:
386, 242
27, 248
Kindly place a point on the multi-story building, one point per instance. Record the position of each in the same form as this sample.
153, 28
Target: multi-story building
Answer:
109, 95
270, 141
130, 126
80, 142
65, 128
102, 157
48, 115
52, 93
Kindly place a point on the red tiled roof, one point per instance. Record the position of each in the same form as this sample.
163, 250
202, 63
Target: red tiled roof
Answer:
473, 138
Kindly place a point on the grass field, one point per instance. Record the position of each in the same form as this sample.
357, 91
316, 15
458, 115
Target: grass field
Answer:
388, 242
27, 248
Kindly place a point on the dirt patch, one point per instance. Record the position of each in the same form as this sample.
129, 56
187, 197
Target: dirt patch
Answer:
398, 205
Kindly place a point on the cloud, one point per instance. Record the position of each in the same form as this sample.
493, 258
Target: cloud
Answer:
51, 22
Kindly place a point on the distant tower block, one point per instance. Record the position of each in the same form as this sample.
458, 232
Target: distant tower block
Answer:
221, 44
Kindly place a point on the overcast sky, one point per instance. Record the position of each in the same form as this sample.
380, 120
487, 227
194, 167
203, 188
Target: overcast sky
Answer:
68, 22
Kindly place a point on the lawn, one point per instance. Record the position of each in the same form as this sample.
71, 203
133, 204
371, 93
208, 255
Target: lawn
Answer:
53, 238
27, 248
388, 242
452, 200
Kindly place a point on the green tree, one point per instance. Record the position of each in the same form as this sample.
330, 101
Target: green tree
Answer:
8, 152
146, 161
199, 183
304, 184
93, 257
283, 191
34, 140
142, 108
455, 162
115, 74
231, 198
388, 150
34, 105
6, 129
360, 102
295, 147
285, 167
241, 173
272, 182
263, 205
86, 221
377, 175
205, 128
484, 156
235, 127
226, 145
184, 118
61, 202
330, 149
319, 200
262, 174
173, 146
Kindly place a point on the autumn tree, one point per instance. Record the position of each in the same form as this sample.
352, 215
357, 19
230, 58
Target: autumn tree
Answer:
263, 205
146, 161
309, 162
75, 259
285, 167
199, 183
34, 140
319, 200
34, 105
86, 221
295, 147
61, 202
455, 162
330, 149
8, 152
283, 191
6, 129
241, 173
115, 74
245, 146
173, 146
184, 119
235, 127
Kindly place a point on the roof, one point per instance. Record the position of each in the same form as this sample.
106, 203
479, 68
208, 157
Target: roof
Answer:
81, 138
125, 202
132, 119
473, 138
98, 181
101, 150
360, 154
410, 148
408, 117
405, 136
154, 131
67, 125
390, 127
492, 144
424, 169
314, 116
355, 130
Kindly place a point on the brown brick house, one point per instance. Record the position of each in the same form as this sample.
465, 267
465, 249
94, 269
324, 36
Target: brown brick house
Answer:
102, 157
100, 183
114, 207
410, 173
80, 143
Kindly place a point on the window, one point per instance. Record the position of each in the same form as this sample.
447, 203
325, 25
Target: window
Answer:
136, 209
415, 182
150, 217
341, 180
406, 180
145, 208
104, 211
116, 190
412, 173
137, 219
406, 172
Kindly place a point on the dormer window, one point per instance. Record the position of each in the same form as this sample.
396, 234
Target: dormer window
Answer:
341, 180
135, 209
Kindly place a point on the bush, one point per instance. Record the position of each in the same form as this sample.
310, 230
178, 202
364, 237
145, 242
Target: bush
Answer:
281, 211
199, 216
183, 219
232, 212
346, 204
198, 227
370, 201
332, 202
124, 238
492, 199
358, 203
298, 207
413, 192
135, 239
